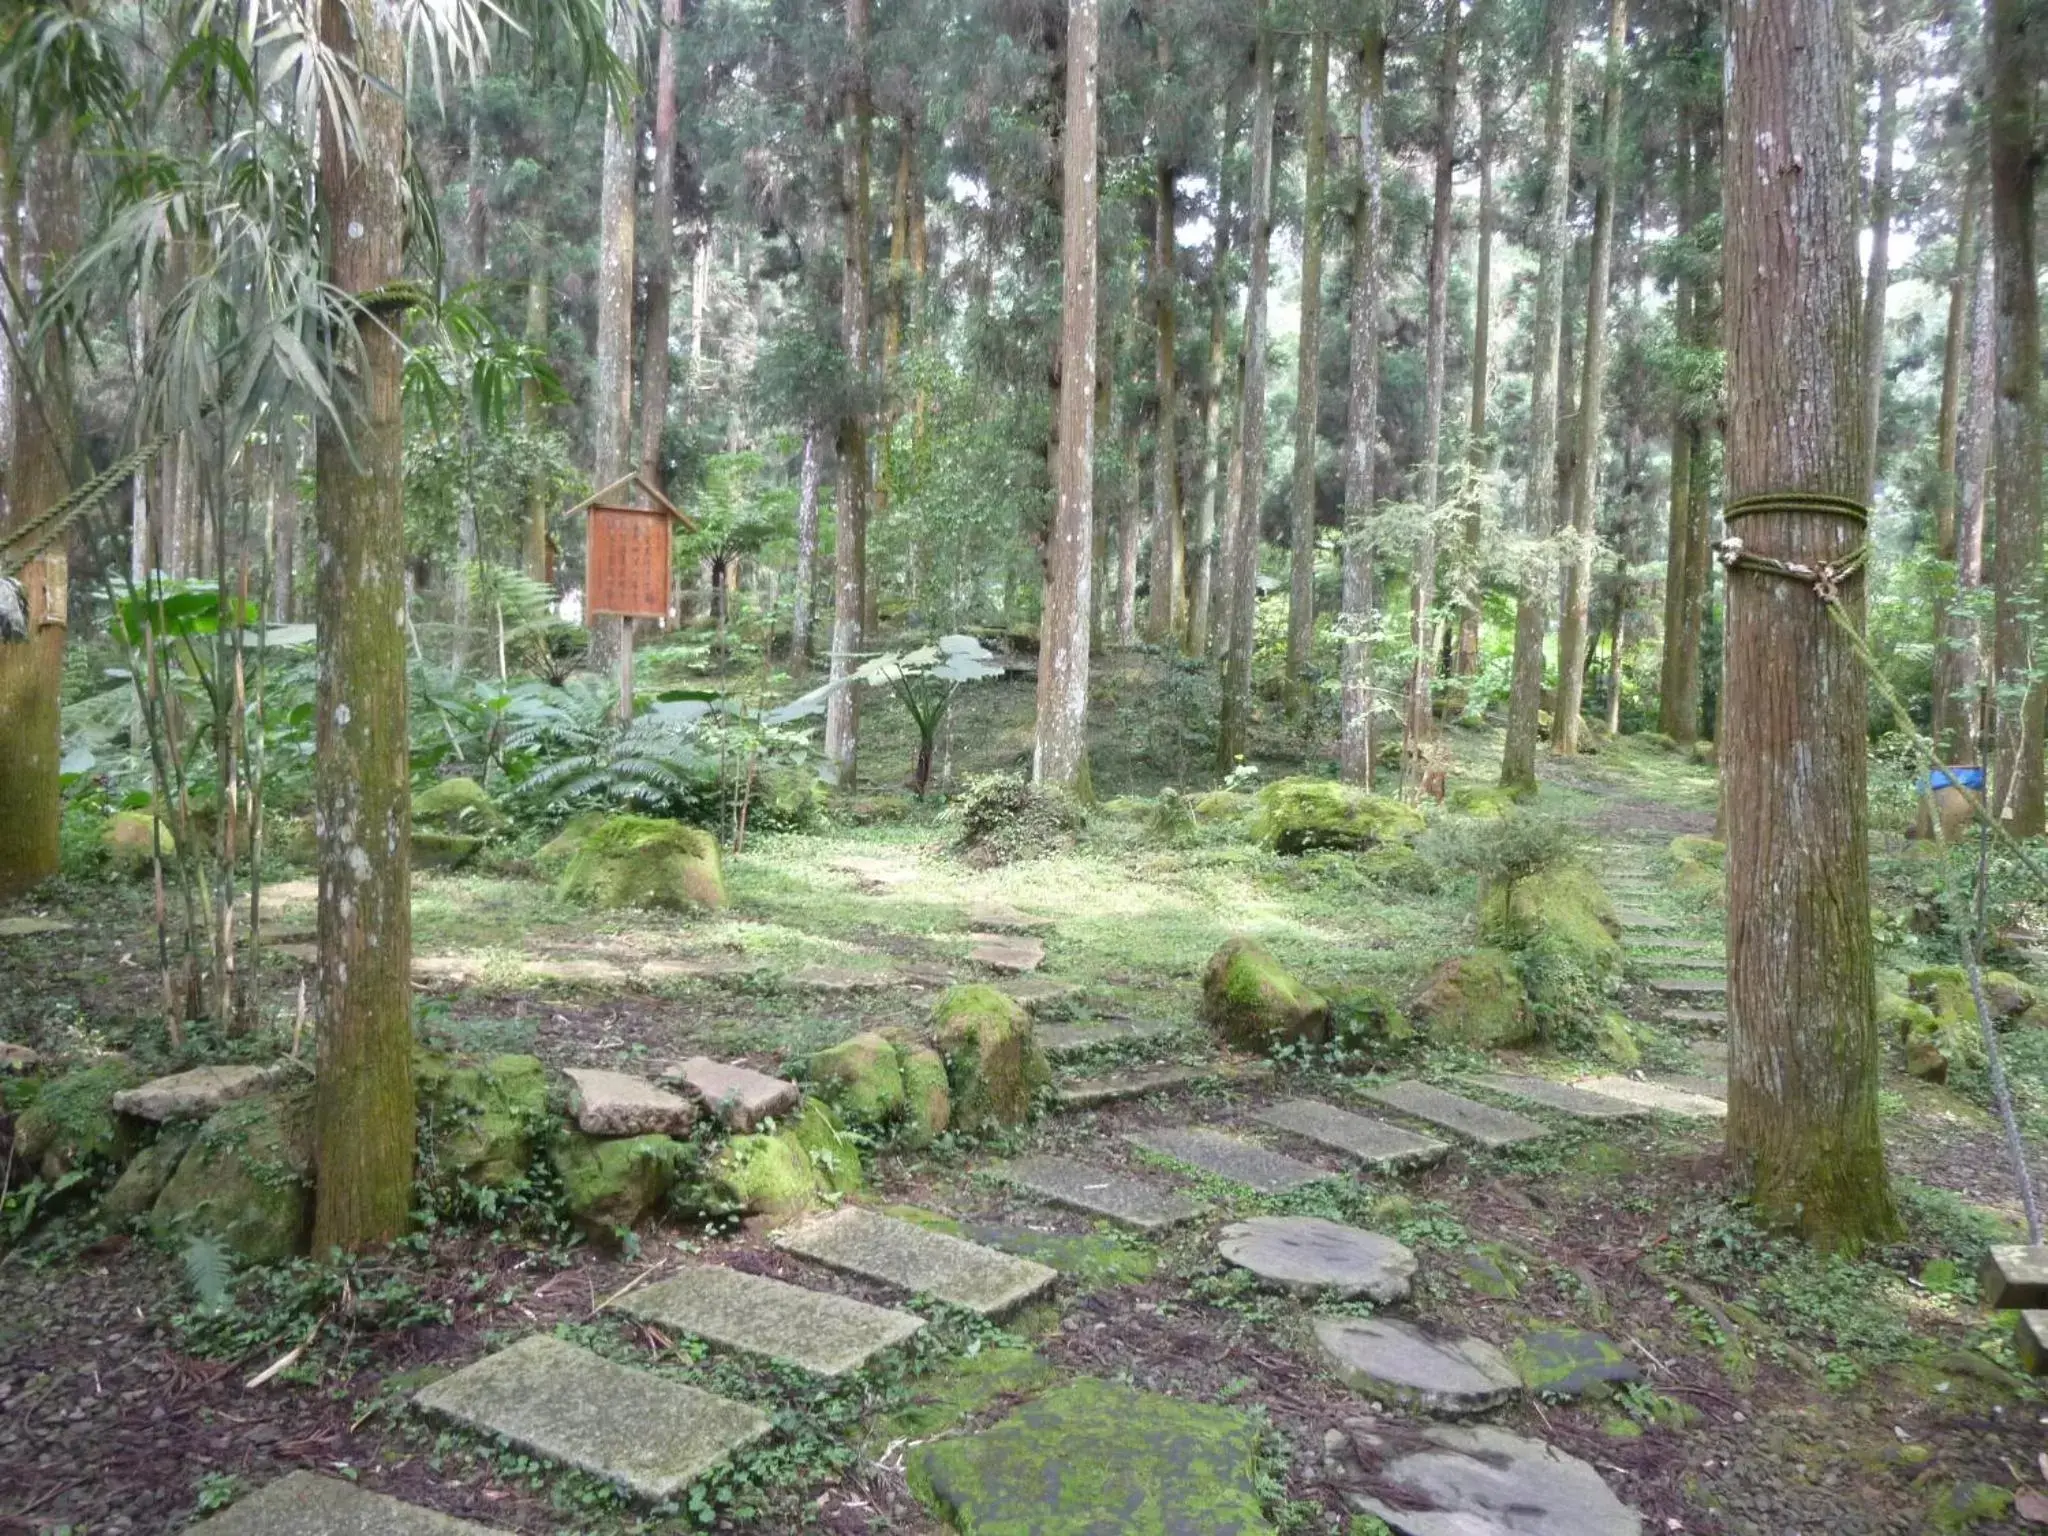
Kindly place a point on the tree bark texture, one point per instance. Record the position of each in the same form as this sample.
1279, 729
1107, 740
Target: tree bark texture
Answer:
660, 262
806, 579
1803, 1048
849, 552
1130, 530
1478, 449
1202, 579
1418, 726
1248, 462
1166, 599
1059, 754
1301, 535
2017, 54
1361, 431
1961, 660
1885, 129
1952, 709
363, 1126
536, 541
1573, 625
611, 419
1525, 694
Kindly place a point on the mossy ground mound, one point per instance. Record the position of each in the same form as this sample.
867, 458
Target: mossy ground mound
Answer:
456, 805
642, 861
1477, 1000
1250, 1000
612, 1184
994, 1065
479, 1122
71, 1122
1295, 815
1562, 927
246, 1182
791, 1170
557, 851
130, 844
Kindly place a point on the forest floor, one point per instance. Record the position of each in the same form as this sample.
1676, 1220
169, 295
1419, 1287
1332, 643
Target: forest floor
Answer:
1776, 1391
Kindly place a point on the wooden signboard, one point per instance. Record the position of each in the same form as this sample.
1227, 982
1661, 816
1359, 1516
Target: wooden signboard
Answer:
628, 561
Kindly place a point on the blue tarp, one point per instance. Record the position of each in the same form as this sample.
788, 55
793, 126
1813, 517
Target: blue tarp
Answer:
1961, 778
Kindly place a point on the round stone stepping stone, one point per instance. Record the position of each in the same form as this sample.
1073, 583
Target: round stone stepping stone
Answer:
1674, 1101
1229, 1157
1562, 1097
916, 1259
1469, 1118
649, 1435
307, 1504
741, 1097
1396, 1362
1121, 1197
815, 1331
1310, 1256
1482, 1481
195, 1094
619, 1104
1007, 953
1372, 1142
1569, 1362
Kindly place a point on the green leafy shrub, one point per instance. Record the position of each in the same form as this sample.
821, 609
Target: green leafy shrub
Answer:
1004, 817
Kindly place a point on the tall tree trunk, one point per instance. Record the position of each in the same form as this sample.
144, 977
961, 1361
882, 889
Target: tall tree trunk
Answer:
1962, 653
1130, 528
2016, 51
1163, 607
1478, 450
806, 579
1572, 628
1202, 579
1525, 696
40, 405
363, 1126
1886, 129
476, 221
611, 425
1362, 420
849, 554
896, 294
1688, 566
1952, 711
1059, 754
530, 409
1803, 1050
1301, 604
660, 263
1418, 725
1248, 460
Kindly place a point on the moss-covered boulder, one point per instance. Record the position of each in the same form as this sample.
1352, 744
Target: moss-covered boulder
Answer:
557, 851
1398, 867
927, 1094
1564, 927
457, 805
795, 1169
136, 1191
479, 1122
443, 850
1614, 1037
1223, 805
834, 1155
994, 1065
246, 1182
71, 1121
130, 839
1295, 815
786, 800
1488, 802
1477, 1000
862, 1078
643, 861
1250, 1000
612, 1184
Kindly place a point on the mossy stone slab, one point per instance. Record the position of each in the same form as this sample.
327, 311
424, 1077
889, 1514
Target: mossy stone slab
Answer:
651, 1436
1121, 1197
1569, 1362
1484, 1481
1097, 1459
1562, 1097
815, 1331
1372, 1142
1313, 1257
306, 1504
1229, 1157
917, 1259
195, 1094
1398, 1363
1673, 1101
1465, 1117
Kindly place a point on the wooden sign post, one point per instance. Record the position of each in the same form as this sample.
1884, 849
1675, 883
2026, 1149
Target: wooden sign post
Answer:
626, 565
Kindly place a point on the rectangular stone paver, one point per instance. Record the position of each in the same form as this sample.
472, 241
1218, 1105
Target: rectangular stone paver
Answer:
1229, 1157
1660, 945
1469, 1118
1674, 1101
1122, 1197
650, 1435
815, 1331
1372, 1142
619, 1104
741, 1097
307, 1504
2030, 1341
1645, 922
1562, 1097
1060, 1040
917, 1259
1093, 1092
1689, 986
1697, 1015
2014, 1275
196, 1094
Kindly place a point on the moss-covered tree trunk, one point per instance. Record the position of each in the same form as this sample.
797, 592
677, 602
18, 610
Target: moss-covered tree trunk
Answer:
1362, 418
1060, 748
1803, 1048
39, 403
1478, 450
1954, 659
1166, 600
1525, 693
850, 536
363, 1098
660, 264
1200, 637
611, 415
1308, 375
1573, 626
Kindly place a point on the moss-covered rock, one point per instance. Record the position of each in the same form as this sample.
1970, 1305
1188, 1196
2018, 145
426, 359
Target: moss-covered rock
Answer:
557, 851
612, 1184
136, 1191
1966, 1505
246, 1181
129, 842
1250, 1000
479, 1122
835, 1158
2008, 998
1614, 1037
1477, 1000
793, 1170
927, 1095
443, 850
71, 1122
1398, 867
1487, 802
862, 1078
1564, 927
1697, 865
456, 805
1298, 814
786, 800
1223, 805
994, 1065
642, 861
1944, 990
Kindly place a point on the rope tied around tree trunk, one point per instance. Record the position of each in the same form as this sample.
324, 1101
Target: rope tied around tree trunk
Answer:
1827, 578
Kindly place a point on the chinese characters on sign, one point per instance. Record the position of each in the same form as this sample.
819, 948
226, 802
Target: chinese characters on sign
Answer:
629, 561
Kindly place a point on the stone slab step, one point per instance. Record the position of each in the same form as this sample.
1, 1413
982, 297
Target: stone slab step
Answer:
1714, 1016
1399, 1363
649, 1435
307, 1504
1077, 1093
1010, 953
1121, 1197
1706, 1085
1060, 1041
1371, 1142
1228, 1157
1562, 1097
917, 1259
2014, 1275
198, 1093
740, 1097
1674, 1101
1689, 986
1660, 945
619, 1104
2030, 1341
815, 1331
1465, 1117
1645, 922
